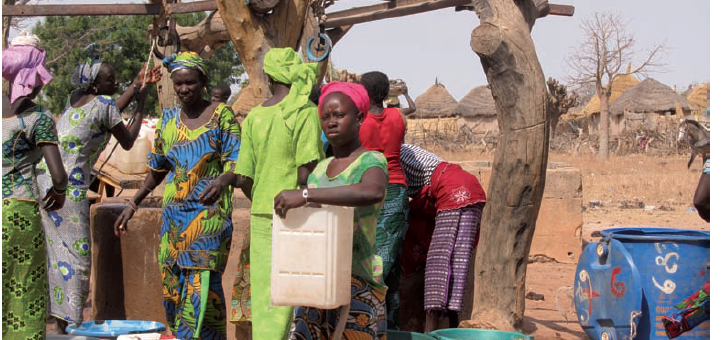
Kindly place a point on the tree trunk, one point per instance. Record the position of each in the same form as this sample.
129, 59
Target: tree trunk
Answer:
253, 35
503, 43
603, 132
6, 33
166, 93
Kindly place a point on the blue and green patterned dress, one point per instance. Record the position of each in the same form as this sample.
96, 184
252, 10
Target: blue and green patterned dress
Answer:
83, 133
24, 288
195, 239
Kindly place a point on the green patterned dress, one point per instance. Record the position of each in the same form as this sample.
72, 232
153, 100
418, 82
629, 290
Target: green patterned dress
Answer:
83, 133
24, 289
367, 316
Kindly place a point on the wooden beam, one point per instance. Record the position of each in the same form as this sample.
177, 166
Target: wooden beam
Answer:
562, 10
371, 13
391, 9
105, 9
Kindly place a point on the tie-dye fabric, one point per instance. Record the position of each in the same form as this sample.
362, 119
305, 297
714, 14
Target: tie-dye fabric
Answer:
367, 264
194, 238
84, 132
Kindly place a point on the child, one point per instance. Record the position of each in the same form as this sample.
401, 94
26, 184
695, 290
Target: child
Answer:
220, 94
354, 177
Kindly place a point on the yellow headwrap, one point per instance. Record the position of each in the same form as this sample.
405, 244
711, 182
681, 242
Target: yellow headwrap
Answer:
285, 66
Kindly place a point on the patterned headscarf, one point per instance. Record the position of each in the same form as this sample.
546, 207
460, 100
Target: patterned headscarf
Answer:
183, 60
86, 73
285, 66
24, 66
356, 92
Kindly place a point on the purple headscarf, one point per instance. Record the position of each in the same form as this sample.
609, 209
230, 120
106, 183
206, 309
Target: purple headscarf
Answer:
24, 66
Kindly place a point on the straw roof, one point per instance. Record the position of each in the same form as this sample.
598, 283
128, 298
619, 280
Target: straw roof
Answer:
435, 102
477, 103
620, 85
699, 97
649, 96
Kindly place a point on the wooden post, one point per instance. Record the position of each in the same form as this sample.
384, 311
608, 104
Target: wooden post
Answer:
253, 35
503, 43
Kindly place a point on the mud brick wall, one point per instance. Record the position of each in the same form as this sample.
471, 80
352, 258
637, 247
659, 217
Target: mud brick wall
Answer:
125, 276
558, 228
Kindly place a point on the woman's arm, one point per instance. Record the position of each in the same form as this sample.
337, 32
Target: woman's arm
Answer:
303, 173
126, 136
370, 190
56, 196
411, 105
152, 180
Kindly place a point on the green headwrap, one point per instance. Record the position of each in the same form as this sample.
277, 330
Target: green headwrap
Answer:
285, 66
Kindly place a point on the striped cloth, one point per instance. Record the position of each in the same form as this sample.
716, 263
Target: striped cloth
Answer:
418, 166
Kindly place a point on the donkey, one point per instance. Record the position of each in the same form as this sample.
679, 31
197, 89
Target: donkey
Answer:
697, 136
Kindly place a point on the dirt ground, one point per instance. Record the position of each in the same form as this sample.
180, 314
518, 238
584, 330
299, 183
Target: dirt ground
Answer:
624, 191
663, 185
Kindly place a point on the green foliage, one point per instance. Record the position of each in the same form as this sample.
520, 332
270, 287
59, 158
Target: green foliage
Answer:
123, 42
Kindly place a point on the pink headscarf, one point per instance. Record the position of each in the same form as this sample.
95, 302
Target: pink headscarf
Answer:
24, 65
356, 92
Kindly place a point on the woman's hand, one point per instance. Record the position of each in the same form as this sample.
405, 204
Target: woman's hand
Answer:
288, 199
121, 223
153, 76
53, 201
211, 193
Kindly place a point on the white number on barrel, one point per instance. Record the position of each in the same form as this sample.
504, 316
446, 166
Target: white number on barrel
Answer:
668, 286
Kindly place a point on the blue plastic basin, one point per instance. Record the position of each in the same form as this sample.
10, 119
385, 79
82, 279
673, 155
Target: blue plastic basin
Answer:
477, 334
398, 335
114, 328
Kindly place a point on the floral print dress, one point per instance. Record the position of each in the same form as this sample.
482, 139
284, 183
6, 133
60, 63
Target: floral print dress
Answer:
83, 132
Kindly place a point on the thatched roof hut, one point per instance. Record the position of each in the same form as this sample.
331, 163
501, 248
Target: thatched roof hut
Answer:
621, 84
649, 96
477, 103
435, 102
699, 98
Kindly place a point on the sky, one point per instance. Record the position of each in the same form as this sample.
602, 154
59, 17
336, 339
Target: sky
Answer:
423, 47
436, 45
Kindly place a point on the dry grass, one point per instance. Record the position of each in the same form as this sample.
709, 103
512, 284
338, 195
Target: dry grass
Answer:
658, 181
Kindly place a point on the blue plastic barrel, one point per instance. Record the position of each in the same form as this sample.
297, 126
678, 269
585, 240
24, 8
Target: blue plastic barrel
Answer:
114, 328
399, 335
477, 334
632, 277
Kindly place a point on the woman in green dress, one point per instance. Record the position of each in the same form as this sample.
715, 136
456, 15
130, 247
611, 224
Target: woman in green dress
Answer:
28, 136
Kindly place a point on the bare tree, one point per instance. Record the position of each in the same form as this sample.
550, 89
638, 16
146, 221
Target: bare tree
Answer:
559, 102
606, 48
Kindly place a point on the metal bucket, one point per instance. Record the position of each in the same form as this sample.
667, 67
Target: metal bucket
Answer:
632, 277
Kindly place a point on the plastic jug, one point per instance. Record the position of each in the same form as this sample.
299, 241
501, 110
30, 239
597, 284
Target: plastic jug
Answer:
134, 161
311, 260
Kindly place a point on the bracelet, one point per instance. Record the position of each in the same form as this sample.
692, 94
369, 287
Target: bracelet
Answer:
59, 192
132, 204
143, 186
305, 195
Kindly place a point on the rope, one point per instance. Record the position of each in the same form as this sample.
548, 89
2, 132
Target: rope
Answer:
130, 122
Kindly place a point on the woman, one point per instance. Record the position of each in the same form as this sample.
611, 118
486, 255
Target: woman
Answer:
84, 128
702, 195
354, 177
383, 130
28, 136
456, 199
196, 142
280, 146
